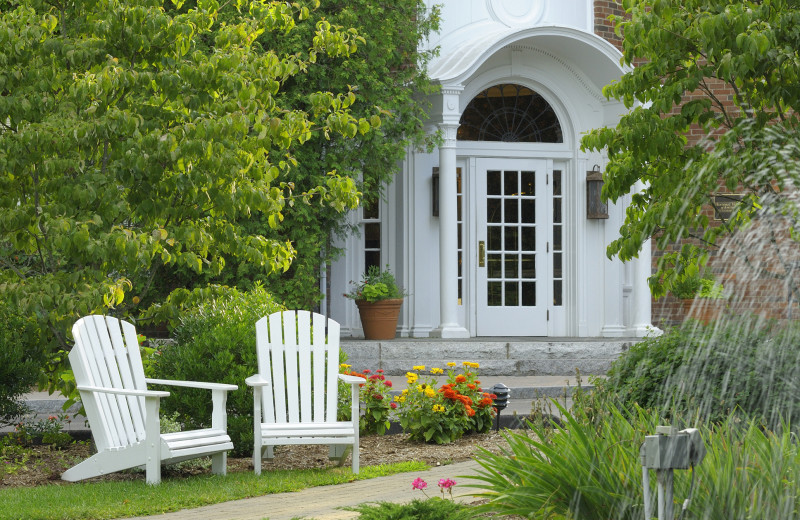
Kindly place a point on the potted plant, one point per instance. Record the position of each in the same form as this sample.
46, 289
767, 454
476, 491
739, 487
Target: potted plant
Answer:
379, 299
695, 286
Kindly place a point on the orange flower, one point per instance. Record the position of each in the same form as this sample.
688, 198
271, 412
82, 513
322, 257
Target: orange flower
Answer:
460, 378
485, 402
470, 411
471, 386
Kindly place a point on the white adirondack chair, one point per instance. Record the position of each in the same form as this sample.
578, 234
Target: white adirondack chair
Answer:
123, 413
295, 390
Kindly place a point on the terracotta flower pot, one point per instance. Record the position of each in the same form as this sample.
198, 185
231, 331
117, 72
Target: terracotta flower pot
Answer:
379, 319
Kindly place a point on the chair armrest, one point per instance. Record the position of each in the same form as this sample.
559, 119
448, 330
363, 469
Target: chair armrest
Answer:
257, 380
123, 391
347, 378
192, 384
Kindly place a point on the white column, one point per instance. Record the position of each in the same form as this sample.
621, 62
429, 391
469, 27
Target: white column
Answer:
642, 298
448, 225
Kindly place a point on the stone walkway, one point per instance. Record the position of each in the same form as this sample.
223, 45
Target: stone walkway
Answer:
324, 502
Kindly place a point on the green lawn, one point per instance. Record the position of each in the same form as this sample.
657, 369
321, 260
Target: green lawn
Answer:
125, 499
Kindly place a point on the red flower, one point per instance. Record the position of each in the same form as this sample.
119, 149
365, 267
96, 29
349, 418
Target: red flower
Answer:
380, 371
377, 396
366, 371
393, 405
387, 383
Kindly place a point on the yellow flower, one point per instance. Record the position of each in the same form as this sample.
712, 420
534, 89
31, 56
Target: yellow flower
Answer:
451, 363
345, 365
435, 371
420, 388
418, 367
438, 408
470, 364
411, 377
405, 391
400, 398
430, 392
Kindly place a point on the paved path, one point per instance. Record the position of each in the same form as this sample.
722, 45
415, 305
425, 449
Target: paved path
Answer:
324, 502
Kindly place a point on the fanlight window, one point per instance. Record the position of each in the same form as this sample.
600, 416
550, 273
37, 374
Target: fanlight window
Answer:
510, 113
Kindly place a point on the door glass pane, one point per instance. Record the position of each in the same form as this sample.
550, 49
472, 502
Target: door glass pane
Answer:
493, 211
529, 239
556, 210
494, 266
495, 294
511, 211
493, 182
557, 265
493, 237
528, 267
529, 294
372, 235
512, 294
512, 239
556, 183
511, 183
512, 266
528, 211
372, 258
557, 292
459, 237
528, 181
556, 238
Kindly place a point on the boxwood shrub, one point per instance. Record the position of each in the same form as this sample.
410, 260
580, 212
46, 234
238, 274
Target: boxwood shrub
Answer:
21, 358
743, 365
215, 341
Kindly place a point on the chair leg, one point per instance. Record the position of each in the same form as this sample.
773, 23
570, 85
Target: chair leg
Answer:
257, 456
219, 463
355, 458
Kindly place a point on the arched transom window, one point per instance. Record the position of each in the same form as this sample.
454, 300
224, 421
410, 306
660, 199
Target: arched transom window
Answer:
510, 113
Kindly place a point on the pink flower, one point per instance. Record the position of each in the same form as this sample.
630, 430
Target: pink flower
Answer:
446, 483
419, 484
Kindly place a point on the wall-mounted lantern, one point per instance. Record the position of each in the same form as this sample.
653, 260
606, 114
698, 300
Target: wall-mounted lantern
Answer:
595, 207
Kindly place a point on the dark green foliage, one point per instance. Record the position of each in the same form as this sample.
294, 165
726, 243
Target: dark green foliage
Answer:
745, 366
21, 358
432, 509
215, 341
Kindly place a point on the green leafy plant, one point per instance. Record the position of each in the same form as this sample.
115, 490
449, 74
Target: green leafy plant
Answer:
376, 285
417, 509
746, 366
21, 359
430, 412
216, 341
42, 431
693, 285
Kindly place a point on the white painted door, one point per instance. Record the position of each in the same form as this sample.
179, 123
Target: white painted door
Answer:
513, 227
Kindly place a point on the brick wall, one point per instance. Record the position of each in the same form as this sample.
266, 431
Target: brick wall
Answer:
756, 290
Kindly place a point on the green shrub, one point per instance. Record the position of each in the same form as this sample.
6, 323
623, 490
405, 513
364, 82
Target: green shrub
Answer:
215, 341
744, 365
418, 509
21, 359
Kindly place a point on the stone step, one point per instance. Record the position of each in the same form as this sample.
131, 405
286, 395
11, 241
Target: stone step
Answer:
511, 357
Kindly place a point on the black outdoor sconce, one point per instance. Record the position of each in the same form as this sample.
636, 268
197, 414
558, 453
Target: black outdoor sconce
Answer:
503, 394
595, 207
435, 191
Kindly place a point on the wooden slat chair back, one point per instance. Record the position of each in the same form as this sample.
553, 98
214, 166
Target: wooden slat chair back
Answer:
295, 390
123, 413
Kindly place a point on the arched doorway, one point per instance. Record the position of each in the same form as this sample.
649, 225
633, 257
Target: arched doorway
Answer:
518, 213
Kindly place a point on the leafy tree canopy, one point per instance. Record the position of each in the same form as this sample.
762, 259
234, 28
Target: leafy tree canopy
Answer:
724, 69
386, 71
137, 138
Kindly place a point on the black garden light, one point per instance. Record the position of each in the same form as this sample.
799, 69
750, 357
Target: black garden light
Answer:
503, 394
